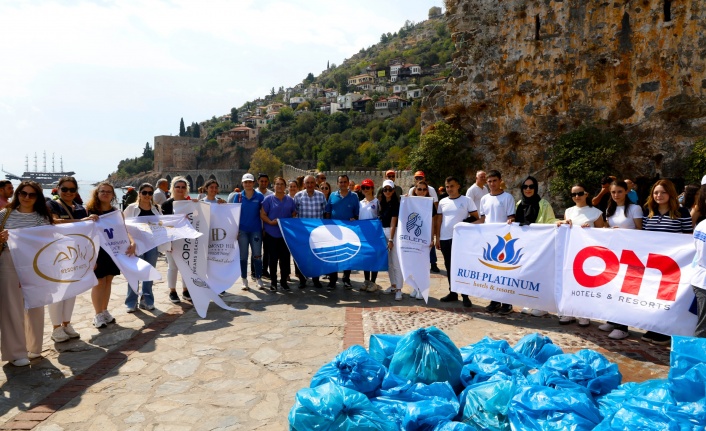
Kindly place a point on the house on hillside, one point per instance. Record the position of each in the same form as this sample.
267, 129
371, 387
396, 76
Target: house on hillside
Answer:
294, 101
359, 105
255, 121
346, 101
241, 136
360, 79
331, 94
391, 106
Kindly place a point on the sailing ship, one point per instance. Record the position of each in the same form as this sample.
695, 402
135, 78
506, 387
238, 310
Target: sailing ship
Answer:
43, 177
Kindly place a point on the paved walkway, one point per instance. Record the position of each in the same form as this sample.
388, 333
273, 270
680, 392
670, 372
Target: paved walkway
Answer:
170, 370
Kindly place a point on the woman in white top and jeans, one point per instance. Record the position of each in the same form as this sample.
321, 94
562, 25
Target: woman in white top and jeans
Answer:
369, 210
584, 215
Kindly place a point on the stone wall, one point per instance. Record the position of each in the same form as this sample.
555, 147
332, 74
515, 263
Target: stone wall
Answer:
527, 71
405, 179
175, 152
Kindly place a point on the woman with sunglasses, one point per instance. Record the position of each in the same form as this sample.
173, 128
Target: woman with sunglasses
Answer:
663, 214
66, 210
422, 189
325, 189
179, 191
584, 215
144, 207
18, 343
103, 201
533, 209
369, 209
389, 211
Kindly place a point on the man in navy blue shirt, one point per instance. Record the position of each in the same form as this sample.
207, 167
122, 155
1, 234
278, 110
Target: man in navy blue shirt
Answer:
342, 205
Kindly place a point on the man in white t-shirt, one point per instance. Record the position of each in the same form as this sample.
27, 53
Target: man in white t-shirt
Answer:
478, 189
453, 210
162, 193
497, 206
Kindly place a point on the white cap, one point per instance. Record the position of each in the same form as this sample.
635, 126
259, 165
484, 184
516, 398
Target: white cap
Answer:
388, 183
703, 180
248, 177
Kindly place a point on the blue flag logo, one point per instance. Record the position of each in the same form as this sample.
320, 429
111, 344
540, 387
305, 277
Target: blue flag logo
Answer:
326, 246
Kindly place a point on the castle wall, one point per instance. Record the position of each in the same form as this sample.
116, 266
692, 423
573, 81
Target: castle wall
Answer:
527, 71
175, 152
404, 179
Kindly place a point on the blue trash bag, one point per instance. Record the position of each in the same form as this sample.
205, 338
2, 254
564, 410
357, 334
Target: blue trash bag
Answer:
382, 347
637, 418
543, 408
487, 343
586, 368
353, 368
613, 400
485, 405
331, 407
484, 362
416, 406
687, 372
538, 347
392, 381
452, 426
427, 356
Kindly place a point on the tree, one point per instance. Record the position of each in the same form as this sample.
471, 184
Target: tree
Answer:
264, 161
383, 38
442, 153
434, 11
196, 130
309, 78
182, 129
234, 115
272, 92
148, 153
369, 107
327, 65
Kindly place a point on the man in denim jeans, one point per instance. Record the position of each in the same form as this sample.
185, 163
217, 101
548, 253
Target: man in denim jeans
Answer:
250, 230
310, 203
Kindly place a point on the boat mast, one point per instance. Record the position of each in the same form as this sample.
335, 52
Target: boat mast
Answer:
44, 169
35, 162
53, 169
26, 163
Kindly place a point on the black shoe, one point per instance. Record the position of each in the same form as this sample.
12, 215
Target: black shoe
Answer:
174, 297
493, 307
657, 338
273, 287
302, 283
185, 295
265, 274
435, 269
467, 302
505, 309
331, 285
317, 284
347, 284
284, 285
451, 297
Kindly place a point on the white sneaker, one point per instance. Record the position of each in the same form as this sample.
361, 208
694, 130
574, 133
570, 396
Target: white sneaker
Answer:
389, 290
260, 284
99, 321
59, 335
245, 284
526, 310
413, 294
23, 362
618, 334
108, 317
584, 322
538, 313
398, 295
71, 332
420, 296
565, 320
607, 327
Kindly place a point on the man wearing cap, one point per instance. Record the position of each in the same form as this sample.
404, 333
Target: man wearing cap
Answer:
419, 176
250, 229
342, 205
478, 189
390, 175
263, 180
310, 203
162, 193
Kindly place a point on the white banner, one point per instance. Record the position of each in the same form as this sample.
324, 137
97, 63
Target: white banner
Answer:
636, 278
54, 262
223, 268
191, 256
413, 241
149, 232
512, 264
113, 237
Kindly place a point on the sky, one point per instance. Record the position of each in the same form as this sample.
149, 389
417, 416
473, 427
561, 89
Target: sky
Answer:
93, 81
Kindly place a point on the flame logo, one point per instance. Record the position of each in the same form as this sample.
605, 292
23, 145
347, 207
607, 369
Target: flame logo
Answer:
502, 254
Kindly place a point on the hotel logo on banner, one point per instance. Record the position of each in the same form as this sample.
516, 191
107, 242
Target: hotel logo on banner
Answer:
65, 263
414, 226
502, 256
334, 243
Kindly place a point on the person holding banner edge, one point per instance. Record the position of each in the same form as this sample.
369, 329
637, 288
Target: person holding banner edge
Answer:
179, 191
389, 212
342, 205
21, 329
369, 209
274, 207
422, 189
144, 207
103, 201
66, 210
250, 230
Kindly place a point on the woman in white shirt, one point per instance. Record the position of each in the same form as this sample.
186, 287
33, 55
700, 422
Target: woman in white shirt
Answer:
369, 209
584, 215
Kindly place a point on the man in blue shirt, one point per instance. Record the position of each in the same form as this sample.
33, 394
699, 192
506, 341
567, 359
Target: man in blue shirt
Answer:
342, 205
250, 229
274, 207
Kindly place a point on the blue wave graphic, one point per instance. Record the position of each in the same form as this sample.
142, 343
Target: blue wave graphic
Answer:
337, 253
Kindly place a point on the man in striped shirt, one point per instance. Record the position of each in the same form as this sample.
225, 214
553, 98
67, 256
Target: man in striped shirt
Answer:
310, 203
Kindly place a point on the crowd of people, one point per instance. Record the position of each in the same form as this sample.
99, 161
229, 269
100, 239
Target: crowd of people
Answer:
263, 249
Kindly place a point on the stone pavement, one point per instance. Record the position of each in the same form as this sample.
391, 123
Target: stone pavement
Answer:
171, 370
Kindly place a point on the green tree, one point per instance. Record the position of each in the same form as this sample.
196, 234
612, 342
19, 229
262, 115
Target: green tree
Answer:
383, 38
441, 153
272, 92
182, 129
148, 153
696, 162
196, 130
369, 107
309, 79
234, 115
264, 161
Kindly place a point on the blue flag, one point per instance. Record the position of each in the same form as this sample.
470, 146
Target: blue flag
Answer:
326, 246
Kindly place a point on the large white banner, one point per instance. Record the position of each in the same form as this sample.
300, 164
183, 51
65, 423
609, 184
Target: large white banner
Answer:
507, 263
113, 238
223, 268
191, 256
413, 241
149, 232
636, 278
54, 262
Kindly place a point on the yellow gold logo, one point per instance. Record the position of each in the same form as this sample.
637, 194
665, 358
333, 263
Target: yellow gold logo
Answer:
65, 260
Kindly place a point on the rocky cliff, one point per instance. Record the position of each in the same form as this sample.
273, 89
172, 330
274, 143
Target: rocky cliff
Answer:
527, 71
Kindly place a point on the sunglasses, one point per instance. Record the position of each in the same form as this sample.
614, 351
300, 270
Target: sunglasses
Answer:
68, 189
105, 192
527, 186
31, 195
391, 176
387, 190
418, 178
365, 187
579, 194
421, 190
322, 178
146, 193
179, 187
325, 188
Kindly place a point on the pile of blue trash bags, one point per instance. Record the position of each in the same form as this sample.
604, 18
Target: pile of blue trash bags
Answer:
422, 381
